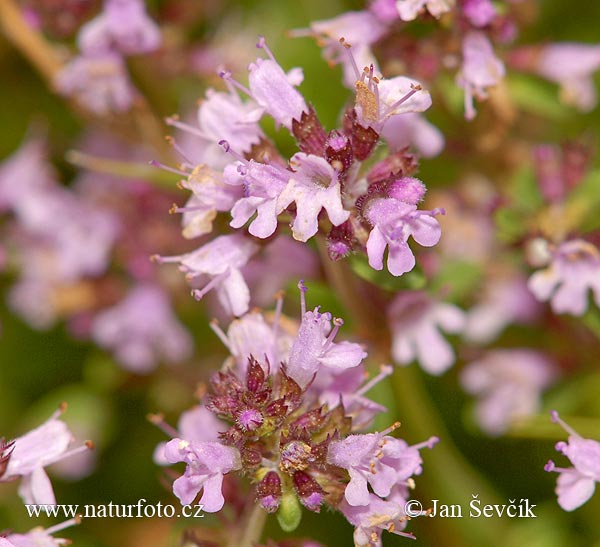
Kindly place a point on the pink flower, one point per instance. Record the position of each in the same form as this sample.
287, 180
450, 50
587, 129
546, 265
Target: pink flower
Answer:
142, 330
576, 485
394, 220
509, 384
314, 346
409, 9
358, 28
372, 519
38, 537
30, 453
210, 195
378, 460
412, 129
123, 26
274, 90
220, 261
312, 186
196, 424
574, 269
415, 322
98, 83
480, 13
206, 464
571, 65
480, 69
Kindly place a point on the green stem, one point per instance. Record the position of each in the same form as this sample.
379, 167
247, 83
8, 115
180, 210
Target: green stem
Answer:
252, 529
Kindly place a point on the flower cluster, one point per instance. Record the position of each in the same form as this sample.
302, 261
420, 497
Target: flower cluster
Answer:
290, 409
331, 187
97, 78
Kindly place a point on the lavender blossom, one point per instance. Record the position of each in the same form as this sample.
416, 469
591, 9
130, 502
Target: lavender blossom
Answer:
207, 462
123, 26
410, 9
576, 485
378, 460
574, 269
314, 346
99, 83
28, 455
415, 322
509, 384
481, 69
220, 261
142, 330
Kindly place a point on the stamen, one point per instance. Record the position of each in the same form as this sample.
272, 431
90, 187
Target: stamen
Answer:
557, 420
348, 48
159, 421
173, 121
164, 167
180, 151
227, 147
262, 44
303, 290
393, 427
413, 89
88, 445
385, 371
278, 311
337, 323
429, 443
198, 294
166, 259
66, 524
190, 209
226, 75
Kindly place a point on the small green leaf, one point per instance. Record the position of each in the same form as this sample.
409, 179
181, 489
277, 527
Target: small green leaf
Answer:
289, 514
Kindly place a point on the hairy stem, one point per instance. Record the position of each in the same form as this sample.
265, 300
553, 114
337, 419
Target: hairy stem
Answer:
251, 531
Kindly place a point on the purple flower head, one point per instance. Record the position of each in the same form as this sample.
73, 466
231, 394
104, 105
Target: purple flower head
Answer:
576, 485
220, 261
410, 9
142, 330
274, 90
312, 186
372, 519
571, 65
480, 13
30, 453
206, 464
210, 195
123, 26
394, 221
509, 384
574, 269
378, 460
314, 347
415, 322
480, 69
99, 83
